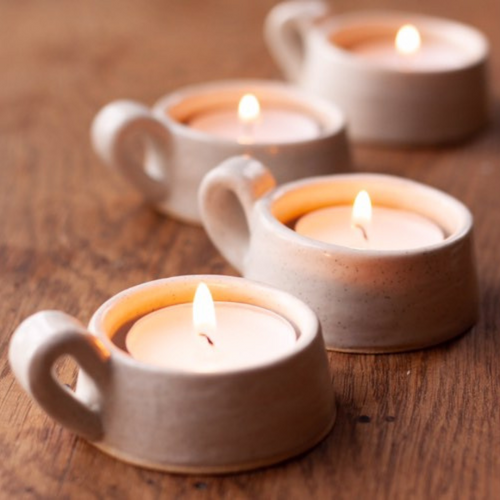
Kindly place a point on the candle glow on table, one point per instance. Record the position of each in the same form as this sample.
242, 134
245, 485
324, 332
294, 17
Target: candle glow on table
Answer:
365, 227
210, 337
252, 123
407, 51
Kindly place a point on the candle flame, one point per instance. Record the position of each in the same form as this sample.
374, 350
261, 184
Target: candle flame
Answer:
362, 209
408, 40
249, 109
204, 319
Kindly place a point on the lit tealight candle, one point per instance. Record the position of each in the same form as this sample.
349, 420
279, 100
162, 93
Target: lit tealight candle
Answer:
250, 124
248, 115
365, 227
210, 337
407, 51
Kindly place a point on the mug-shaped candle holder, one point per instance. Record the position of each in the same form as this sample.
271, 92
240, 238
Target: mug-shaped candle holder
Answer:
206, 417
190, 131
423, 85
367, 300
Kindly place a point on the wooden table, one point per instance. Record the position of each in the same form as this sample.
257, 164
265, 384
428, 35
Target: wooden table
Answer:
417, 425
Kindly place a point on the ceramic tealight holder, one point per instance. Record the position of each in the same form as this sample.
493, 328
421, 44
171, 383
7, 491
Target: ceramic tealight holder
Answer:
367, 300
204, 418
192, 130
423, 85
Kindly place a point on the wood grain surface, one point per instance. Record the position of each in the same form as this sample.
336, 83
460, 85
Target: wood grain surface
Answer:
419, 425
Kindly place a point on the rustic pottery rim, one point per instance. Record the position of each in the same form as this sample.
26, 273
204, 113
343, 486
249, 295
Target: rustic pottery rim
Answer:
304, 337
331, 117
466, 222
335, 23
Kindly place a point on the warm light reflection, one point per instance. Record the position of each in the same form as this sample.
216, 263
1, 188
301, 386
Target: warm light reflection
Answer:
248, 109
408, 40
362, 209
204, 319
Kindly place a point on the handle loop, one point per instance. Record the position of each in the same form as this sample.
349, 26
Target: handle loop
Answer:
227, 197
35, 346
113, 130
285, 30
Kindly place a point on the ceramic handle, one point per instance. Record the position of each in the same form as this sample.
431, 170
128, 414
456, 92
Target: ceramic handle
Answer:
114, 127
35, 346
285, 30
226, 198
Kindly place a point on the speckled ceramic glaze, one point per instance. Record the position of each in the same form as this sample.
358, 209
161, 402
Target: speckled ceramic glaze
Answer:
367, 300
172, 420
383, 104
178, 156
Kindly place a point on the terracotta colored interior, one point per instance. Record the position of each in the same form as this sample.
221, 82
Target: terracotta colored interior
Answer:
347, 35
122, 310
354, 35
292, 203
228, 97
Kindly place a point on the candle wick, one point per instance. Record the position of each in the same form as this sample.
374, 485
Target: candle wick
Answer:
209, 340
246, 136
363, 231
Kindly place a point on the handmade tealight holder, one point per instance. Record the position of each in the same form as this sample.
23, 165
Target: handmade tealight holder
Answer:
192, 130
402, 280
257, 393
400, 77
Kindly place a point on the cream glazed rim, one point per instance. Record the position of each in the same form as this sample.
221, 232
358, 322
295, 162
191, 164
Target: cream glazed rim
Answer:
464, 219
278, 301
331, 119
476, 49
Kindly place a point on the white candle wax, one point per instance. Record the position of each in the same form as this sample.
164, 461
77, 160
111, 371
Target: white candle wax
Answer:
275, 125
245, 336
389, 229
433, 54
